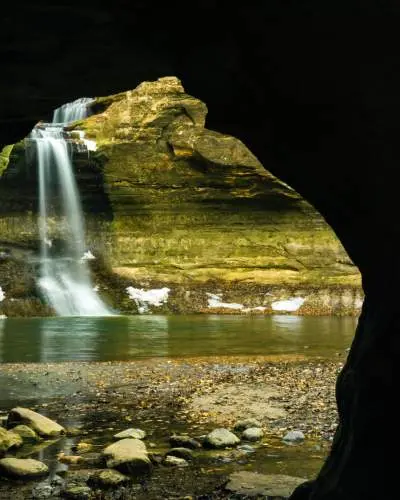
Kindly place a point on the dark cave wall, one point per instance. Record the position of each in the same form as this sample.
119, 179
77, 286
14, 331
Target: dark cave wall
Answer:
316, 86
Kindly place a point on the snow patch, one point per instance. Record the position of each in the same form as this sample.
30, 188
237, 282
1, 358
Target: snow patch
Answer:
288, 305
145, 298
215, 300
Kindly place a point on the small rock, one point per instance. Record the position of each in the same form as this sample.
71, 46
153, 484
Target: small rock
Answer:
22, 467
69, 459
42, 425
82, 447
131, 433
108, 478
294, 437
242, 425
77, 492
26, 433
42, 490
252, 484
252, 434
128, 456
172, 461
184, 453
9, 439
220, 438
246, 448
183, 441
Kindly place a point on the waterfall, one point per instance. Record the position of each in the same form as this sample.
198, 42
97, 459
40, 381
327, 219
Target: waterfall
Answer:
64, 274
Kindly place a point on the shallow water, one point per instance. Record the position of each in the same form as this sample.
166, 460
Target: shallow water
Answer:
123, 338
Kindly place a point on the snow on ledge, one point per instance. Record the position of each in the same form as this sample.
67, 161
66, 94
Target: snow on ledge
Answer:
214, 301
288, 305
145, 298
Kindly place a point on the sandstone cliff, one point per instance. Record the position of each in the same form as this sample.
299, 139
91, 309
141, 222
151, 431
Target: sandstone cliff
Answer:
173, 206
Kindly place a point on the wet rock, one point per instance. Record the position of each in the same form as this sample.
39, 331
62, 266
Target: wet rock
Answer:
131, 433
26, 433
242, 425
108, 478
246, 448
184, 441
128, 456
252, 484
83, 447
77, 492
294, 437
252, 434
42, 490
184, 453
172, 461
220, 438
3, 420
48, 488
42, 425
69, 459
8, 440
22, 468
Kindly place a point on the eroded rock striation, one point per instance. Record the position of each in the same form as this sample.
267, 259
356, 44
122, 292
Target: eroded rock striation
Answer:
179, 218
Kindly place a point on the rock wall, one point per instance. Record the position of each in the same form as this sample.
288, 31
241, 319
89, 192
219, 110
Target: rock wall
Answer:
176, 211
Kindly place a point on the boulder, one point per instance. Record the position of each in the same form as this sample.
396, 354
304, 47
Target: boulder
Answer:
220, 438
184, 441
24, 468
128, 456
44, 426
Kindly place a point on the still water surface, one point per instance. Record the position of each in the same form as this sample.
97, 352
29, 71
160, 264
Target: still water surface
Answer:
122, 338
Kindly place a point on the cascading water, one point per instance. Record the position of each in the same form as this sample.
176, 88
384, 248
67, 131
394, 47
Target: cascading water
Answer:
64, 275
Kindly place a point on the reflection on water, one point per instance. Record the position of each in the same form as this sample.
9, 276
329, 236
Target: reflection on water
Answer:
133, 337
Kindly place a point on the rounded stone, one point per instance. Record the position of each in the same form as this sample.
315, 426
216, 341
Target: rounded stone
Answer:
39, 423
252, 434
294, 437
220, 438
172, 461
22, 467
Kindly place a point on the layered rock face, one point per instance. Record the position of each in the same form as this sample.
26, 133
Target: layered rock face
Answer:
172, 205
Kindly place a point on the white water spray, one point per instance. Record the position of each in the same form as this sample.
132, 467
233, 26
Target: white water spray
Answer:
64, 273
